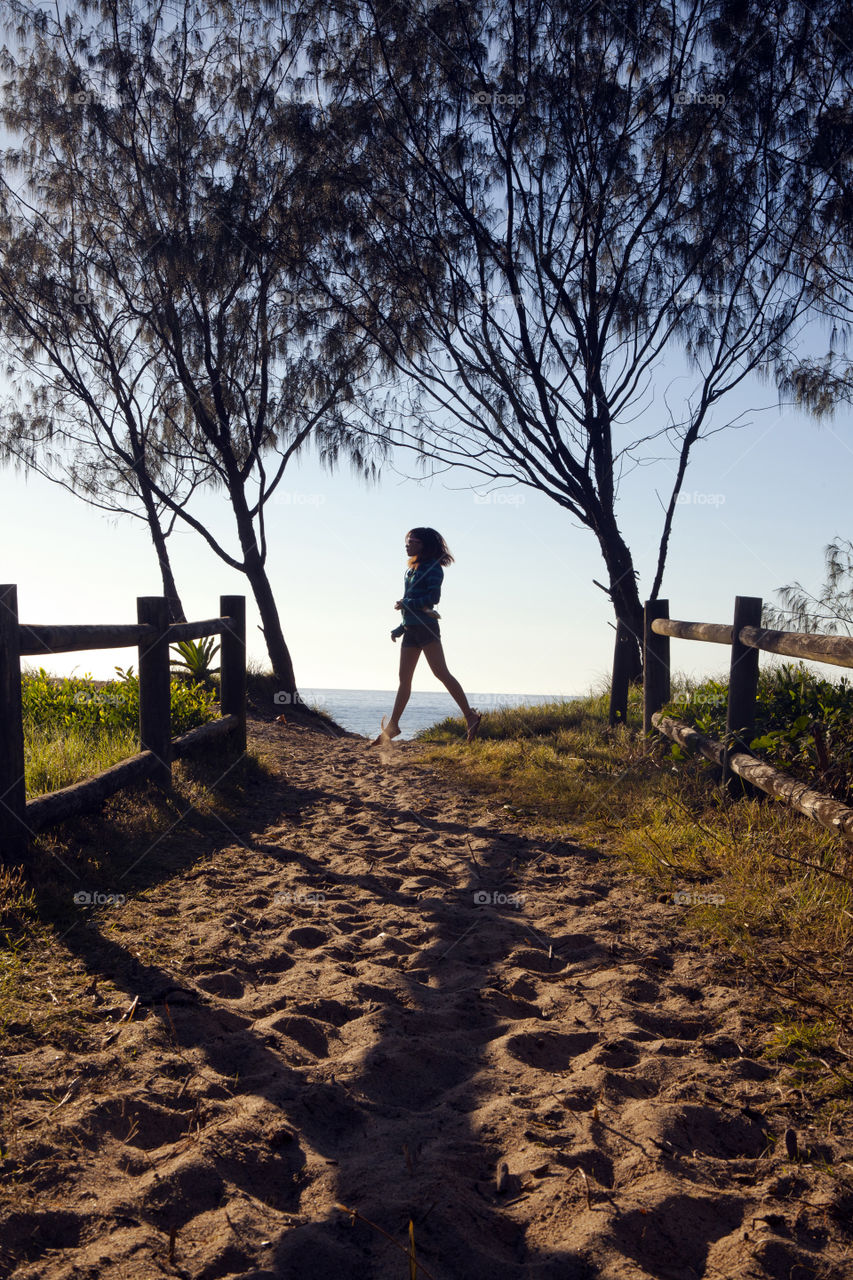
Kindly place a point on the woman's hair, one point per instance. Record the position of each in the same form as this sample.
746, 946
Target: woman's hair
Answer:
434, 548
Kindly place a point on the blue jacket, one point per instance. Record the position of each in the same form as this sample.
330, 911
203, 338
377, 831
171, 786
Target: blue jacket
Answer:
422, 590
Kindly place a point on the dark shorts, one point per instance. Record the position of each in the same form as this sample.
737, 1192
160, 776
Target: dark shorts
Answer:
420, 635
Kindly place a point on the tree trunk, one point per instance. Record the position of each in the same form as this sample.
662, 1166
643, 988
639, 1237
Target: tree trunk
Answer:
624, 594
158, 537
277, 649
170, 589
253, 566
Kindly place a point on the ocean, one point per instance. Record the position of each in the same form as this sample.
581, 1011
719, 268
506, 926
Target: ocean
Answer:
361, 710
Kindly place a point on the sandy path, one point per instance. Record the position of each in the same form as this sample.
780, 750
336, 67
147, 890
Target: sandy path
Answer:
332, 1016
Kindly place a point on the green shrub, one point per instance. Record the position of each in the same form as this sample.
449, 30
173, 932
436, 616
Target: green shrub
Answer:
75, 727
194, 660
58, 704
803, 723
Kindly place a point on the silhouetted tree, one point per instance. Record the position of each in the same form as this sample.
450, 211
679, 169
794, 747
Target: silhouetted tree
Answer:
550, 202
158, 155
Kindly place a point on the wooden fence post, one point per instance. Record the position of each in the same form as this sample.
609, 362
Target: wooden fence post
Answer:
743, 686
155, 687
620, 680
232, 665
656, 681
14, 833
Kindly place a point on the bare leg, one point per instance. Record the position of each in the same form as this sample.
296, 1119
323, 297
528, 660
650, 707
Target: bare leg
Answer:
438, 667
408, 661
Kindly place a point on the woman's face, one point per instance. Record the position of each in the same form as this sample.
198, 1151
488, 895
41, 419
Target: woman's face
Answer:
414, 545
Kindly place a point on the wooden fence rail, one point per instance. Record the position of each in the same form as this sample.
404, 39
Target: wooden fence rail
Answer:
152, 635
746, 638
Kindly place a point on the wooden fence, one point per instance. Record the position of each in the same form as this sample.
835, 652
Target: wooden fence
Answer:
746, 638
152, 634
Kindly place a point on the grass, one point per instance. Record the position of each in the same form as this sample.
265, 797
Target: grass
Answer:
770, 887
76, 727
53, 760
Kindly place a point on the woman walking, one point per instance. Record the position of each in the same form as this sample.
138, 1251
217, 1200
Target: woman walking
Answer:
428, 554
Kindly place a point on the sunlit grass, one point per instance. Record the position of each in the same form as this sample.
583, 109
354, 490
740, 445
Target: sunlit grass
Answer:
75, 727
53, 760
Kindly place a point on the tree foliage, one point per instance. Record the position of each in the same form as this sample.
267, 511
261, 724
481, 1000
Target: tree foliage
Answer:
158, 223
831, 610
555, 207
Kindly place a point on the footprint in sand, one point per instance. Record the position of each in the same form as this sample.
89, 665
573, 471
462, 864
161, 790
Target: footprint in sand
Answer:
411, 1076
537, 962
350, 923
505, 1006
224, 984
642, 991
308, 936
259, 1154
177, 1191
618, 1054
592, 1160
279, 962
331, 1011
695, 1128
639, 1083
549, 1050
137, 1123
308, 1033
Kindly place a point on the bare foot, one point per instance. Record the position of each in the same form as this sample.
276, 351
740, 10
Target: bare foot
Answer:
474, 721
389, 730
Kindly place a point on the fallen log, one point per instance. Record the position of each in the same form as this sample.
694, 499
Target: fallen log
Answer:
193, 739
781, 786
82, 797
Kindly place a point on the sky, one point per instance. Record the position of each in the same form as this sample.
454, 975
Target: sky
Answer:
520, 613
